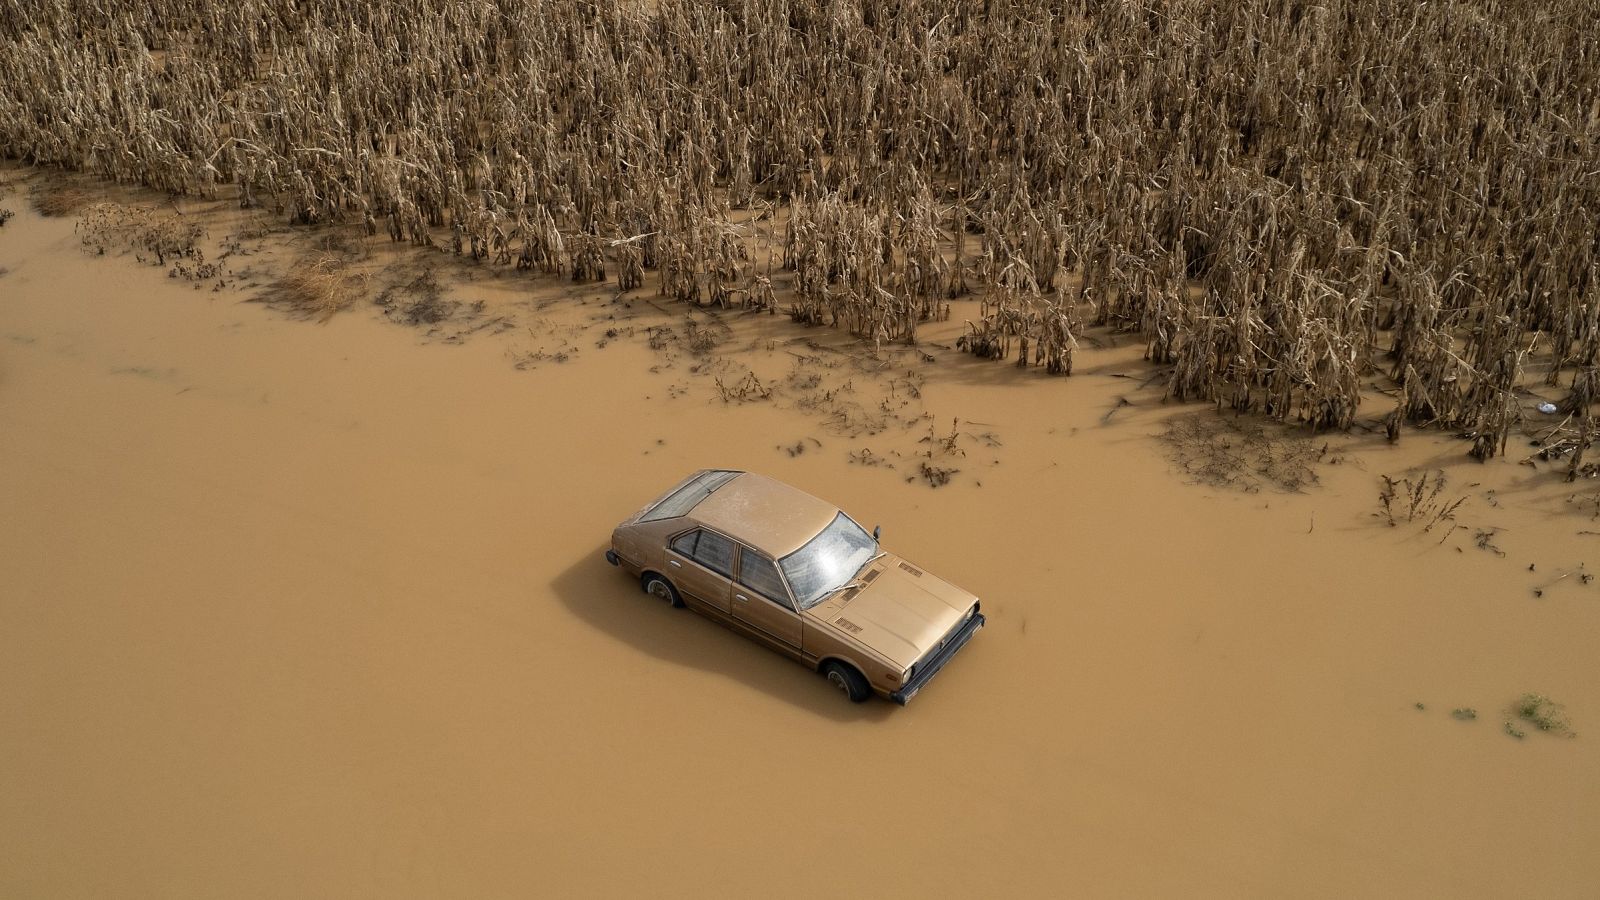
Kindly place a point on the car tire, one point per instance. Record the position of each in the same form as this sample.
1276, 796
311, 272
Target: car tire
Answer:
847, 681
661, 589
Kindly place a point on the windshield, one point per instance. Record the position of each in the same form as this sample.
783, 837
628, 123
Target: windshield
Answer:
828, 561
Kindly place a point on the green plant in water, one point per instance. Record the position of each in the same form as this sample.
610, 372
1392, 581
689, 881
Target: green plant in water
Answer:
1544, 714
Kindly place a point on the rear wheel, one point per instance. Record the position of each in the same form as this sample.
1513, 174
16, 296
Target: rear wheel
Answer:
662, 589
847, 681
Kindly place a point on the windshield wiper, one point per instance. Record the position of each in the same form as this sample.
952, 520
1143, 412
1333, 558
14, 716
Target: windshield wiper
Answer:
853, 582
831, 591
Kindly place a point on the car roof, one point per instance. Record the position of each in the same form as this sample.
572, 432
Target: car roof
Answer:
765, 513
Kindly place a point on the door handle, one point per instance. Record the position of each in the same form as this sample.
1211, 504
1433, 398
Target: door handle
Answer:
675, 563
741, 598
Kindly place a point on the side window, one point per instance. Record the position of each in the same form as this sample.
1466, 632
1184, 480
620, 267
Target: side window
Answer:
715, 552
760, 574
684, 543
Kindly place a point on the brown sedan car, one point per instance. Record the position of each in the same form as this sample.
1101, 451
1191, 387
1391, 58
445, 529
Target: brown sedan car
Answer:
792, 572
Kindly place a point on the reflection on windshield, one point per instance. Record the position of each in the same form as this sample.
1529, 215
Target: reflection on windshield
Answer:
828, 560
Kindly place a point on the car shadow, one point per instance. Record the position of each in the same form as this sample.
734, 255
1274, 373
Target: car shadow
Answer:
611, 601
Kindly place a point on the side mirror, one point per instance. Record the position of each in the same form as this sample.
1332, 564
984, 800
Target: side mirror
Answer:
876, 530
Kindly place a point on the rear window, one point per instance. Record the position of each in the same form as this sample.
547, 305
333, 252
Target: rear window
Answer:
680, 501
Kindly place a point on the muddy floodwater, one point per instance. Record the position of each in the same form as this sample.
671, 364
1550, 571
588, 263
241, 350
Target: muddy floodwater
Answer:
293, 608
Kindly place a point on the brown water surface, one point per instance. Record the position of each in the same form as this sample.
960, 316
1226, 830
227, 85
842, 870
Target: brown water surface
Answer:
291, 609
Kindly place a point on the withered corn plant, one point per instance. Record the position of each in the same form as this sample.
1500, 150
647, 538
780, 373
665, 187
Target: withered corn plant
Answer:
1282, 198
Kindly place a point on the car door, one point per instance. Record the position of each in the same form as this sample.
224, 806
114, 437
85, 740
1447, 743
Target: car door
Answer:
700, 564
761, 600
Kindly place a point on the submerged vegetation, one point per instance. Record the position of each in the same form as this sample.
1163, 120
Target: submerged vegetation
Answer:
1544, 714
1285, 200
151, 237
1230, 452
317, 287
1420, 499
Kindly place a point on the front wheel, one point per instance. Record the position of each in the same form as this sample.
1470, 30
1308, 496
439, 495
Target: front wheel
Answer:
848, 681
662, 589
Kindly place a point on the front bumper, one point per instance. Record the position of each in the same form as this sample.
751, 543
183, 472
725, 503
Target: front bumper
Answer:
613, 558
930, 667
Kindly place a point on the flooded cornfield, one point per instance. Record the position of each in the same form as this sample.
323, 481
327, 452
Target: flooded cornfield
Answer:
1240, 358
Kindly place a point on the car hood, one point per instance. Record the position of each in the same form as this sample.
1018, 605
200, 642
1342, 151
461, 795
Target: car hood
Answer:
901, 612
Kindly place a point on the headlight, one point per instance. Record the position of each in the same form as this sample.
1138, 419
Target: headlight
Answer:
905, 677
